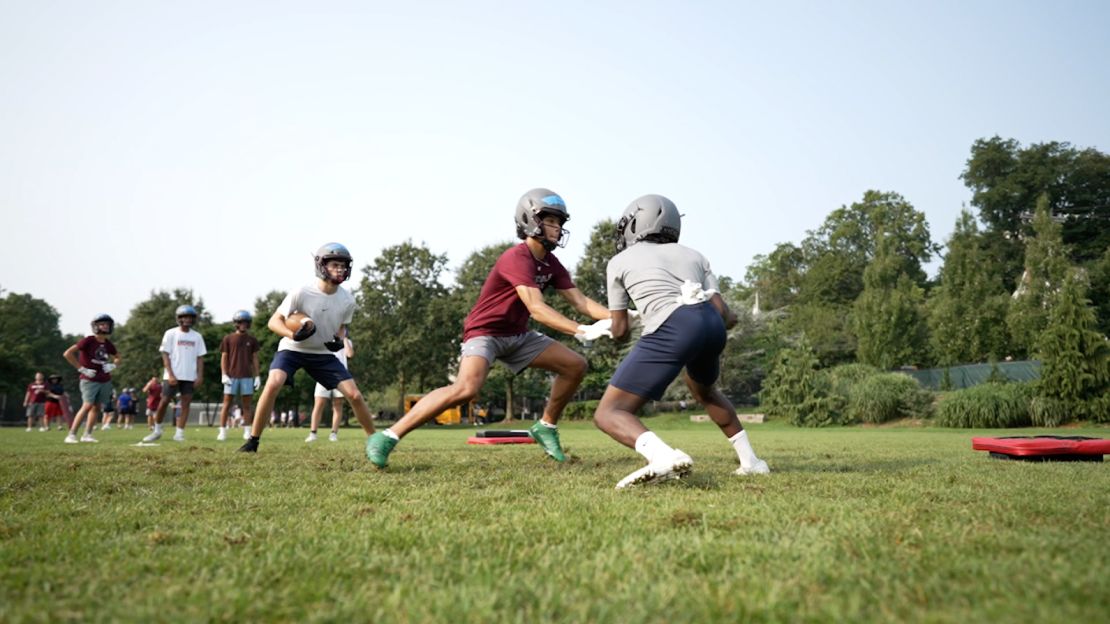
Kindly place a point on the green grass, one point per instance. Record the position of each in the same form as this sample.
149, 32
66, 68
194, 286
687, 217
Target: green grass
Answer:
856, 524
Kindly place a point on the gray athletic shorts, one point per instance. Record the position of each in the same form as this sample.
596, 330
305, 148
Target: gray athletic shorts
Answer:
34, 410
95, 392
515, 352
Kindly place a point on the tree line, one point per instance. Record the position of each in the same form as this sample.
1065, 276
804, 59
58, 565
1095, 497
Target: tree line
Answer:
853, 290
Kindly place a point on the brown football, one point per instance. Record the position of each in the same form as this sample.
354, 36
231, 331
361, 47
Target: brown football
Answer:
294, 321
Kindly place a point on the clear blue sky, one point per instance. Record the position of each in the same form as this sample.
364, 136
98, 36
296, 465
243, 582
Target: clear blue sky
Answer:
214, 145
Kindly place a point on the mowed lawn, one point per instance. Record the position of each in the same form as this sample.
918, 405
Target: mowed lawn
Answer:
856, 524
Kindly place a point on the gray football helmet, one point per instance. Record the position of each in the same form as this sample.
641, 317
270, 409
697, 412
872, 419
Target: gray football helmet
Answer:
530, 211
648, 215
328, 252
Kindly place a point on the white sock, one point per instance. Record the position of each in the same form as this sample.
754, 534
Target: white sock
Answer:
179, 431
744, 449
650, 445
223, 429
548, 425
157, 427
389, 434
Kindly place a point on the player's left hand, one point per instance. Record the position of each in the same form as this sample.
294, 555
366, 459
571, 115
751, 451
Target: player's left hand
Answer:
107, 367
225, 379
335, 344
257, 382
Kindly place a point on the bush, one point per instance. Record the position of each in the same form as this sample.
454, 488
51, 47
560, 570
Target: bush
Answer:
987, 406
580, 410
1051, 412
1099, 409
887, 396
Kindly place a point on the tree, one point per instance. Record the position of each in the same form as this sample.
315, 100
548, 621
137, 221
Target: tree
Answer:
30, 342
889, 319
1046, 265
590, 277
1006, 181
967, 310
1075, 357
407, 335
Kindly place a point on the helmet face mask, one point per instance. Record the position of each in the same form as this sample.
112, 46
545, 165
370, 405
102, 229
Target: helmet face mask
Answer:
333, 252
651, 217
530, 212
103, 324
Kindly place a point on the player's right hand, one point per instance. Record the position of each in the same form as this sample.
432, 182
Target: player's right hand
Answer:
305, 331
335, 344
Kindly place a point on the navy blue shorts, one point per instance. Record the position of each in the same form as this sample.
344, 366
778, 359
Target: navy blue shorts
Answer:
325, 368
692, 337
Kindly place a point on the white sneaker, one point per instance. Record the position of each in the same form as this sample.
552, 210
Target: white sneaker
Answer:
178, 437
88, 438
71, 439
30, 428
671, 466
334, 437
105, 427
222, 435
152, 436
760, 467
43, 429
311, 438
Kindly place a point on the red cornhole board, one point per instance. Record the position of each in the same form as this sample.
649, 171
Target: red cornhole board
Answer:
1044, 448
477, 440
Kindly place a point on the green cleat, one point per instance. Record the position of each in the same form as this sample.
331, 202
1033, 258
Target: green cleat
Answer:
378, 448
549, 440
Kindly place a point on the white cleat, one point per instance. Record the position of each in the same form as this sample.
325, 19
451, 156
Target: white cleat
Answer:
334, 437
179, 437
71, 439
43, 429
88, 438
222, 435
311, 438
153, 436
760, 467
674, 465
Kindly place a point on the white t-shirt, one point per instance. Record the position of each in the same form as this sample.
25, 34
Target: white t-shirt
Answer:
329, 312
183, 348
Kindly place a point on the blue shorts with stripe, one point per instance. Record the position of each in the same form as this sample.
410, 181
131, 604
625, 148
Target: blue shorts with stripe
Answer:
692, 337
325, 368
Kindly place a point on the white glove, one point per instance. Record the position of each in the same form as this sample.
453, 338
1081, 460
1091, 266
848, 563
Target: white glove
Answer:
589, 333
87, 372
692, 293
108, 367
257, 382
634, 318
225, 380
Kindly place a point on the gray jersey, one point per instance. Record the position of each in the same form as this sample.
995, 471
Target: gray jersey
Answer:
329, 312
652, 274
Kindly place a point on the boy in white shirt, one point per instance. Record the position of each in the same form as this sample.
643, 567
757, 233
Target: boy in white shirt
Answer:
182, 356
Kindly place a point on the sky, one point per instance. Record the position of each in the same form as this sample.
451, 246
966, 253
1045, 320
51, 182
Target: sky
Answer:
214, 145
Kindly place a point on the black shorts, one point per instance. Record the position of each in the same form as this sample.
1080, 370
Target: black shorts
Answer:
325, 368
183, 388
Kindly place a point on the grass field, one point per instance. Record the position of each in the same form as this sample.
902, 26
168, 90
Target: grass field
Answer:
882, 524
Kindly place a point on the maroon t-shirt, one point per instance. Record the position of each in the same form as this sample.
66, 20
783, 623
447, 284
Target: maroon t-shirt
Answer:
240, 350
37, 391
91, 353
499, 310
154, 396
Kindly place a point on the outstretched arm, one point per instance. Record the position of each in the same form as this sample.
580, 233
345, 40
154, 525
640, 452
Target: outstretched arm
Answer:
584, 304
543, 313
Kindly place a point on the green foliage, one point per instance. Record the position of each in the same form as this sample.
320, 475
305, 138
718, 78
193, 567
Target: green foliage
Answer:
1098, 409
1053, 412
407, 326
30, 342
967, 310
1007, 181
1075, 357
1046, 266
881, 398
987, 406
580, 410
796, 391
889, 313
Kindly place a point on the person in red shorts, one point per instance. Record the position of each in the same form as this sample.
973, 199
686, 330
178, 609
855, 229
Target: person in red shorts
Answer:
55, 391
153, 390
497, 328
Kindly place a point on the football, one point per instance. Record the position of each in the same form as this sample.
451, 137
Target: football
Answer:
294, 321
